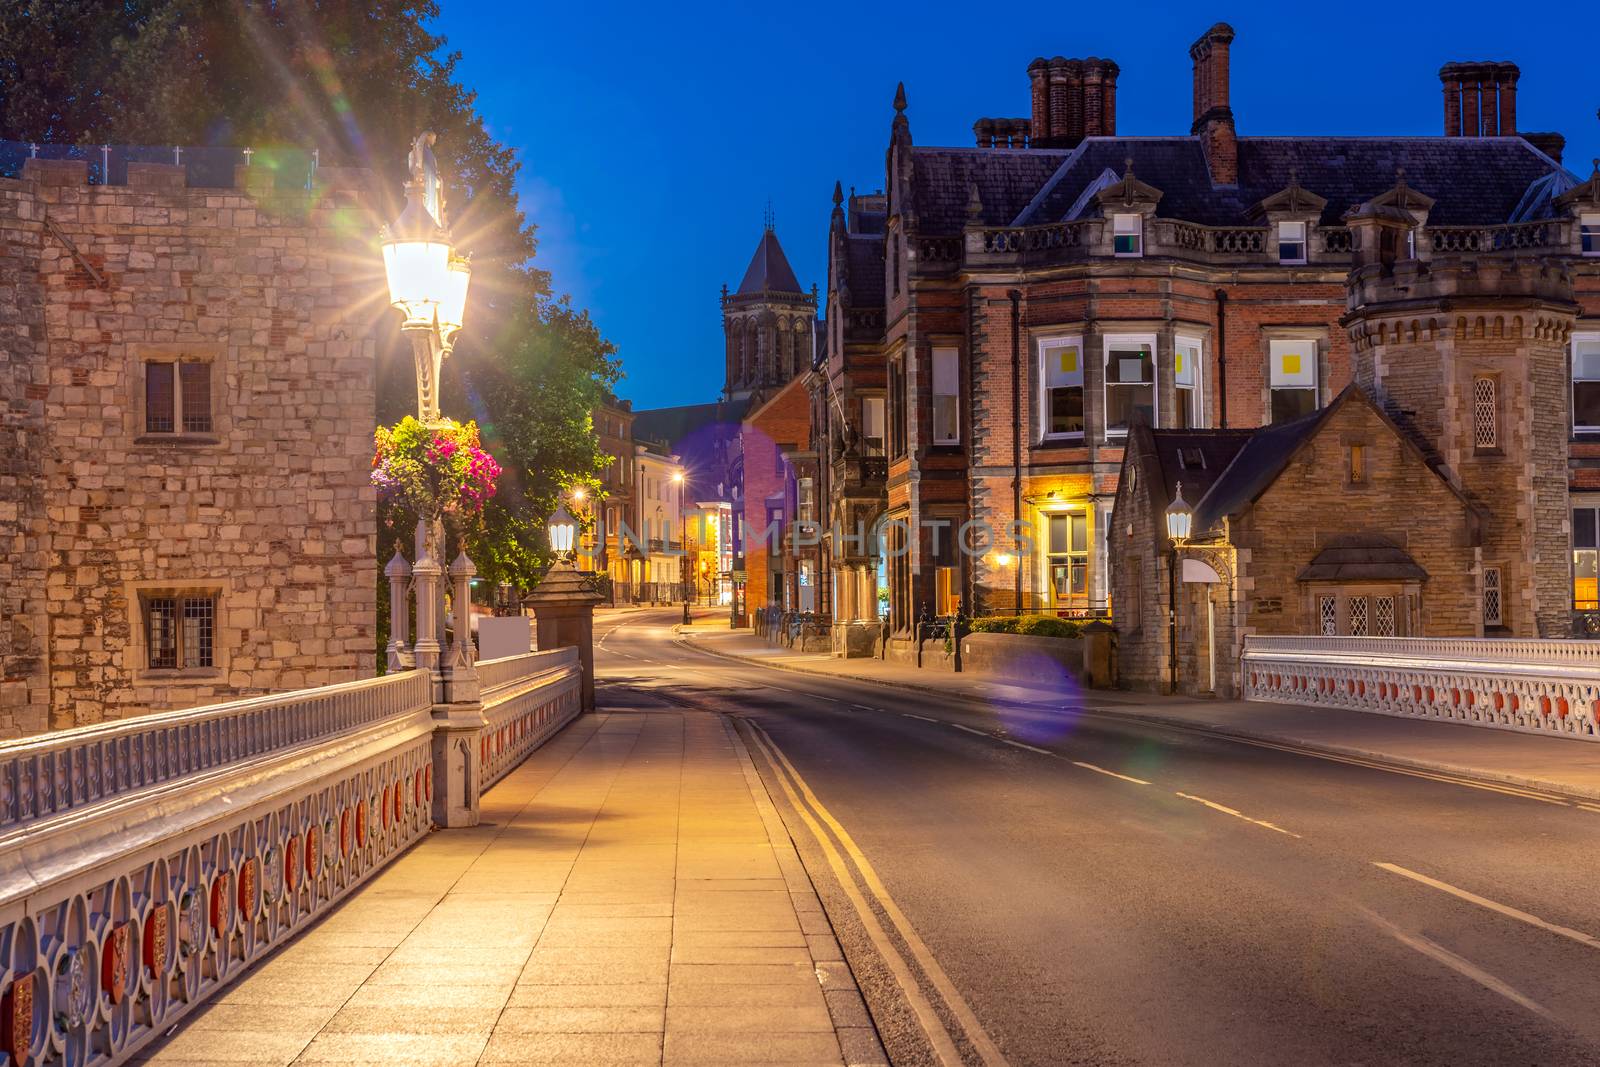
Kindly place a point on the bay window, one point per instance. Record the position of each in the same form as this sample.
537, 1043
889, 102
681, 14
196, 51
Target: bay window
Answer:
1186, 382
1293, 379
1586, 383
1130, 382
1061, 393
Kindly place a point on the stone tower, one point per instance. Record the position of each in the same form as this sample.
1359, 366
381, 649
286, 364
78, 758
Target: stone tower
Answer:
768, 325
1470, 356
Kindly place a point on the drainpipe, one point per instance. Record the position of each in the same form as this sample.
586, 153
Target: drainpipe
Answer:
1016, 437
1222, 355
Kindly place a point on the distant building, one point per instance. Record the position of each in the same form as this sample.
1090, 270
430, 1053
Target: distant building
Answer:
187, 403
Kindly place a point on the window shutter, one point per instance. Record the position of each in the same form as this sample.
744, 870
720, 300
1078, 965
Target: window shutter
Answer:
196, 381
158, 398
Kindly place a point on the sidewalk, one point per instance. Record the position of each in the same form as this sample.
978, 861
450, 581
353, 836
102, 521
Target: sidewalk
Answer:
1561, 765
631, 897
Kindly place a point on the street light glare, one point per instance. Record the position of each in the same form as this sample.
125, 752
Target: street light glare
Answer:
579, 494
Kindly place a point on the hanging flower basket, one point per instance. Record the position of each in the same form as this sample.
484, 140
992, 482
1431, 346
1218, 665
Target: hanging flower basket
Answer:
432, 471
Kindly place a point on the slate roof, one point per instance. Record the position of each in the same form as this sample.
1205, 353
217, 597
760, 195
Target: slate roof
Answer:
769, 270
1255, 467
1177, 450
672, 426
1474, 180
1362, 557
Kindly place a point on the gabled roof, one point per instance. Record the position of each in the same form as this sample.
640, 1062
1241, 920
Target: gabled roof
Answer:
769, 270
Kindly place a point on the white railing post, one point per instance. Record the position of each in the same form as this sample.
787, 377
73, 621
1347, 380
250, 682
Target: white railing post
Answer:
461, 675
457, 711
398, 654
426, 586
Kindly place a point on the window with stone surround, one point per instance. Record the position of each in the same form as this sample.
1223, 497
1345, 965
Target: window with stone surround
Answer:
898, 436
1186, 380
175, 393
1586, 383
1127, 235
1589, 232
1293, 378
946, 396
872, 426
1067, 557
1061, 387
1485, 413
1585, 550
1291, 242
177, 630
1493, 605
1130, 381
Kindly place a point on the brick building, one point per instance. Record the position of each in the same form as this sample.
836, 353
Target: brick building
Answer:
1015, 308
187, 396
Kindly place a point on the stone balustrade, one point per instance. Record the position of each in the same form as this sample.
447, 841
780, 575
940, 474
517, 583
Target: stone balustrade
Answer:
145, 864
1545, 687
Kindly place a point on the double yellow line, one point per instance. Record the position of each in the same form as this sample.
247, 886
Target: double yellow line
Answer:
858, 880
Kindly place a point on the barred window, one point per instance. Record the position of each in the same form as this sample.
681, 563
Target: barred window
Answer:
177, 397
1329, 610
194, 382
160, 397
1485, 413
1493, 609
181, 631
1383, 616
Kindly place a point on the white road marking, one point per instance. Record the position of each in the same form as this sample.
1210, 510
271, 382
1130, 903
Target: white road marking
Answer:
1484, 902
862, 707
970, 730
924, 718
1030, 748
1214, 806
1440, 954
1114, 774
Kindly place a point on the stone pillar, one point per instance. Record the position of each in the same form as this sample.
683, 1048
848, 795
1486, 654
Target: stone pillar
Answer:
398, 655
461, 672
563, 611
426, 573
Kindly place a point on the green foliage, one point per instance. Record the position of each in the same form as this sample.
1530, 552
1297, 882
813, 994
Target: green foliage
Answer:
1027, 625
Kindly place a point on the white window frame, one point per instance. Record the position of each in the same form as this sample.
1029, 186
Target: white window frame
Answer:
946, 366
1591, 343
1128, 340
1191, 351
1275, 352
1128, 225
1292, 233
1049, 347
869, 405
1589, 233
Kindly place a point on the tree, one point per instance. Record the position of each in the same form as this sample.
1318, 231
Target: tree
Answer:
357, 79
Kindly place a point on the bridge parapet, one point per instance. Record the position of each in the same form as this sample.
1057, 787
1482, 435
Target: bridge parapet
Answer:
144, 864
1534, 686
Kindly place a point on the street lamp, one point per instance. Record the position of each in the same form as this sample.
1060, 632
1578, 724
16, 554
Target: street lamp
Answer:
563, 531
1180, 518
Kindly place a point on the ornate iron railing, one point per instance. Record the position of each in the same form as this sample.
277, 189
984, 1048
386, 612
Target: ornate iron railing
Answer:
1546, 687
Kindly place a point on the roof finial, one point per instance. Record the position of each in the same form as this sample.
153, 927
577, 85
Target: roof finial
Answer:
900, 97
768, 219
1127, 167
974, 202
838, 194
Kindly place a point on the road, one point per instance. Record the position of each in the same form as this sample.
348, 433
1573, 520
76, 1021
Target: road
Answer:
1051, 887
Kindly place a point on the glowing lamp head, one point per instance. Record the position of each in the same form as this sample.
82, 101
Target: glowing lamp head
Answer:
1003, 559
1180, 517
416, 258
453, 308
677, 477
563, 530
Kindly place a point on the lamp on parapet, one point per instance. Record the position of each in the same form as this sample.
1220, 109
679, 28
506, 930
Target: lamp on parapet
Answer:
563, 531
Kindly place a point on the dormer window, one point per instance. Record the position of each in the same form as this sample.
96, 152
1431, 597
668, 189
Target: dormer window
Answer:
1128, 235
1589, 231
1291, 242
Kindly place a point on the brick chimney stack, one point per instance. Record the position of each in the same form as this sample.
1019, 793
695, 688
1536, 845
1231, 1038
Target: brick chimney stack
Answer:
1072, 99
1213, 118
1480, 99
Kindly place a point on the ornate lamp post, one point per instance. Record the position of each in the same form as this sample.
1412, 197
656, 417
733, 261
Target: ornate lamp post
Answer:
563, 603
1180, 517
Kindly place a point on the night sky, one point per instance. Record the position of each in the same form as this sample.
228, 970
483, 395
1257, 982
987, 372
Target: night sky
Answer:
652, 135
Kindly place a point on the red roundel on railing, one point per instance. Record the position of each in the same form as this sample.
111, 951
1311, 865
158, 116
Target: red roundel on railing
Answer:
1499, 700
1430, 694
399, 802
1455, 697
155, 939
1544, 705
291, 862
1561, 707
1471, 698
427, 782
221, 903
115, 962
387, 812
313, 851
361, 824
247, 888
1516, 702
16, 1019
345, 823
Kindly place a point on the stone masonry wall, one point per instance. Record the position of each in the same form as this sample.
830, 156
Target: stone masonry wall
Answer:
278, 293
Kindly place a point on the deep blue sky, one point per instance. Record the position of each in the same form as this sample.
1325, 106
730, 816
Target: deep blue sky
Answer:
652, 135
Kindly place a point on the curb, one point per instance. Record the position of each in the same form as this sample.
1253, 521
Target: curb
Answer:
1564, 789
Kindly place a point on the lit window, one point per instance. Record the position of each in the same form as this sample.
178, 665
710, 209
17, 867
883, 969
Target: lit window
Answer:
1492, 607
1128, 235
1358, 464
1130, 382
1485, 413
1586, 383
177, 397
1589, 230
946, 397
1061, 399
1585, 548
180, 631
1293, 379
872, 426
1186, 379
1291, 242
1068, 560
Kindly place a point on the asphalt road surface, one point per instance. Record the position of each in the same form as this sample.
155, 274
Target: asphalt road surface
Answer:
1032, 885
